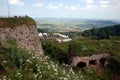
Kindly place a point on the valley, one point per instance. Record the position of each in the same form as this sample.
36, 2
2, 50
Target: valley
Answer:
71, 25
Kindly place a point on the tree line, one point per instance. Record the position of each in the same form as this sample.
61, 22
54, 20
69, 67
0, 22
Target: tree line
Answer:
103, 33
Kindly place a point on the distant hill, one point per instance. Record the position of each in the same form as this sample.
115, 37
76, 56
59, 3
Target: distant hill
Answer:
71, 25
103, 33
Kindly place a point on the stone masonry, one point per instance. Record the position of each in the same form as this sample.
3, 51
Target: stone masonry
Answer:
96, 60
26, 36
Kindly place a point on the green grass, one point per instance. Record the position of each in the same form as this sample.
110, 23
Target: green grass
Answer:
13, 22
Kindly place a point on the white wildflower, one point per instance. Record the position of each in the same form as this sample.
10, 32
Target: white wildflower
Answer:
68, 75
38, 70
4, 61
47, 57
33, 57
53, 66
29, 61
18, 73
55, 70
61, 78
81, 76
48, 67
46, 63
71, 70
65, 79
4, 78
63, 71
20, 60
35, 75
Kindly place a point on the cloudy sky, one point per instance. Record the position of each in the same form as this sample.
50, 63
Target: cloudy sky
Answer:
83, 9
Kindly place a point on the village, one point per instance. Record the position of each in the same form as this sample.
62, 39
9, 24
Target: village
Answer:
58, 37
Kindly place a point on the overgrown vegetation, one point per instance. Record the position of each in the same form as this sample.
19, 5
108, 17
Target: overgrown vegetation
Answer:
19, 64
85, 47
82, 47
16, 21
110, 32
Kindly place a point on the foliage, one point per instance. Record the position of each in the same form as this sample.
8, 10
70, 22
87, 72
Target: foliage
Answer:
86, 47
40, 30
18, 64
81, 47
103, 33
114, 66
55, 53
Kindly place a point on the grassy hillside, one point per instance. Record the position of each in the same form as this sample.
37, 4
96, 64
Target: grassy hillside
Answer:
84, 47
16, 21
19, 64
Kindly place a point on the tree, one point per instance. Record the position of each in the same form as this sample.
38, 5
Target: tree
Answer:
93, 33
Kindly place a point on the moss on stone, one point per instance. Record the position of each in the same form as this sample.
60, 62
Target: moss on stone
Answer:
16, 21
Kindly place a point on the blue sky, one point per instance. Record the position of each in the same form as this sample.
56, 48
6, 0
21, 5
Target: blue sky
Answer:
82, 9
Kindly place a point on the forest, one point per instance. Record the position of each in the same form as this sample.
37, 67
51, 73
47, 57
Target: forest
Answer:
108, 32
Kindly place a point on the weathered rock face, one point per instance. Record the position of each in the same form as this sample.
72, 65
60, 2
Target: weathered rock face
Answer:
26, 36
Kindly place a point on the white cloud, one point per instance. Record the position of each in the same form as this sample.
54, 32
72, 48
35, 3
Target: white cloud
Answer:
71, 7
104, 6
51, 6
89, 7
38, 5
104, 3
16, 2
60, 4
89, 1
78, 6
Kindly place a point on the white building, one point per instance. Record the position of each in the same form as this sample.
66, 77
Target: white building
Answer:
45, 34
66, 40
60, 35
40, 35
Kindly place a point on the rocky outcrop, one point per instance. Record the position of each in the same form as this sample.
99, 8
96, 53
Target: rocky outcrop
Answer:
26, 36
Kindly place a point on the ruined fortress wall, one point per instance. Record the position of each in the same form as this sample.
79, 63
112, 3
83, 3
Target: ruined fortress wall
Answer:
95, 57
26, 36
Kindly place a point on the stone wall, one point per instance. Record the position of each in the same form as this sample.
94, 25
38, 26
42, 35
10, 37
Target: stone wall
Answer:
96, 60
26, 36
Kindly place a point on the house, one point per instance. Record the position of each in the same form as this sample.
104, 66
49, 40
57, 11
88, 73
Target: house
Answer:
40, 35
66, 40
